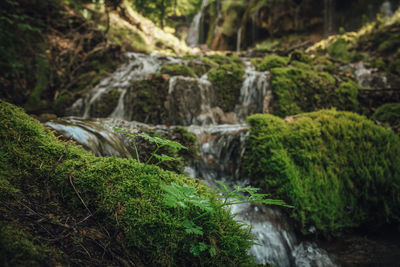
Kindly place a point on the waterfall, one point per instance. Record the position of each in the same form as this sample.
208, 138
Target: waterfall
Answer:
254, 93
195, 32
238, 39
221, 137
328, 16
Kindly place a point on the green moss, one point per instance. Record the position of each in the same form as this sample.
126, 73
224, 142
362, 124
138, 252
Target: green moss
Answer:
122, 194
389, 114
228, 80
148, 98
395, 66
104, 105
341, 49
345, 96
177, 69
300, 56
188, 140
299, 89
273, 61
18, 248
338, 169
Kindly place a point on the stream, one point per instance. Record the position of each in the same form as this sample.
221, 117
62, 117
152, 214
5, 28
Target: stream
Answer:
221, 138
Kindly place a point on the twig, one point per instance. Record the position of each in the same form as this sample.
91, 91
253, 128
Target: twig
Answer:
77, 193
61, 157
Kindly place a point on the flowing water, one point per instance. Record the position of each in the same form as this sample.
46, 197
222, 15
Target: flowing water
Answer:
195, 34
221, 138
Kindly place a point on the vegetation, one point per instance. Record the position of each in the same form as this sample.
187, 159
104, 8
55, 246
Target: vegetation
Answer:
227, 77
389, 114
105, 104
122, 194
177, 69
273, 61
338, 169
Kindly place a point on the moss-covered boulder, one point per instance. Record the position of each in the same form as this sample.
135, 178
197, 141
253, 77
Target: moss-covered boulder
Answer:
104, 105
338, 169
389, 114
146, 100
227, 77
176, 69
111, 208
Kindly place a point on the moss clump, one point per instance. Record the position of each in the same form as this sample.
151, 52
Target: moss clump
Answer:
122, 194
342, 49
345, 96
298, 55
273, 61
148, 98
177, 69
104, 105
338, 169
389, 114
228, 80
299, 89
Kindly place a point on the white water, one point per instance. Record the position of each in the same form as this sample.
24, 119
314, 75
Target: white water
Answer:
193, 35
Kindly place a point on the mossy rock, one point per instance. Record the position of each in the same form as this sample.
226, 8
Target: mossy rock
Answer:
338, 169
272, 61
125, 198
389, 114
300, 89
176, 69
227, 79
345, 96
146, 100
104, 105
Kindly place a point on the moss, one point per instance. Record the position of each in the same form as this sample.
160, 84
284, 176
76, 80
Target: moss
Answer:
228, 81
341, 49
395, 66
64, 100
104, 105
338, 169
19, 248
299, 55
300, 89
122, 194
273, 61
188, 140
345, 96
148, 98
177, 69
389, 114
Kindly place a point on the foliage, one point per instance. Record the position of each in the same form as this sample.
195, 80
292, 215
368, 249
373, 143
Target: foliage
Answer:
177, 69
158, 141
122, 194
389, 114
338, 169
186, 197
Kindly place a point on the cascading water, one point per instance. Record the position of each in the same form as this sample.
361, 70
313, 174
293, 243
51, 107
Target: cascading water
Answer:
193, 37
238, 39
192, 102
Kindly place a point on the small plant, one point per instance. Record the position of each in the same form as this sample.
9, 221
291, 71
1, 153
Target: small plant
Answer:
186, 197
158, 141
